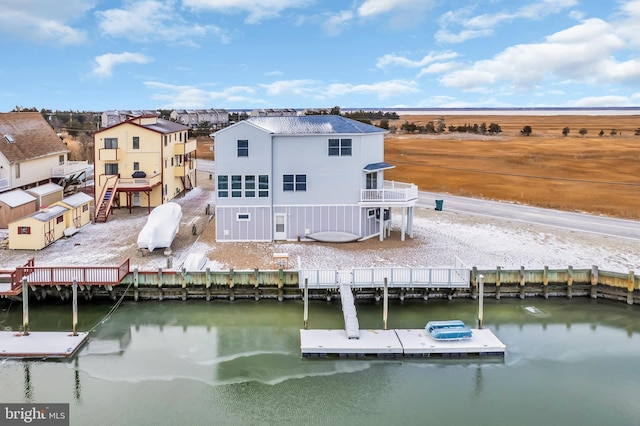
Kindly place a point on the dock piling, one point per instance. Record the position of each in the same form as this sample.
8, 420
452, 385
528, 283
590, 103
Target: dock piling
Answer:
306, 303
74, 324
480, 300
385, 304
25, 307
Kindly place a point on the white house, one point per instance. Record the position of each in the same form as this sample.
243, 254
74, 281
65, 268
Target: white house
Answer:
305, 177
31, 153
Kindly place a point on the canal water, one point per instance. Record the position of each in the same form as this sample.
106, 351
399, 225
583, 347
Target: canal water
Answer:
238, 363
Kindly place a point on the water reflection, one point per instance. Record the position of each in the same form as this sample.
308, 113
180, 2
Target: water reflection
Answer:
242, 361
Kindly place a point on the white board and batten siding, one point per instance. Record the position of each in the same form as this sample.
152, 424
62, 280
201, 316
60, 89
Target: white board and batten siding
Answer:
243, 223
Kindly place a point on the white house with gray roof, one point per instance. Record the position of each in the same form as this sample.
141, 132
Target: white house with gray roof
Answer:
306, 177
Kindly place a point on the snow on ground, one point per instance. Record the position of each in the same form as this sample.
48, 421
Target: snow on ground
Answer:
439, 236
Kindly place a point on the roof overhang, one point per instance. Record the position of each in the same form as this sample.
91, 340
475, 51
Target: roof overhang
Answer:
376, 167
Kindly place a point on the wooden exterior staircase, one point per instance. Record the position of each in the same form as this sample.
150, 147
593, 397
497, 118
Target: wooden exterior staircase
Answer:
106, 199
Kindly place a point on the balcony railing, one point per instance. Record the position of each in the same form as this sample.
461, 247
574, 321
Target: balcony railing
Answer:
69, 168
140, 182
393, 192
109, 154
184, 148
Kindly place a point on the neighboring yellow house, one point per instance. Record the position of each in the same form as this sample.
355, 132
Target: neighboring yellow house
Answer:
144, 161
38, 230
79, 205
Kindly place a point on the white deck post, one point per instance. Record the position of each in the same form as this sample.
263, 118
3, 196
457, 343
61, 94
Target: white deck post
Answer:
25, 307
385, 304
306, 303
480, 300
404, 220
75, 307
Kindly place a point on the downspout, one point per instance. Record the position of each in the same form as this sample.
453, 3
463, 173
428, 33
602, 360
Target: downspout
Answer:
162, 138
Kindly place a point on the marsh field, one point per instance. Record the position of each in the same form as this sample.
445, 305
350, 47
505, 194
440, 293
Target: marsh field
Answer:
587, 173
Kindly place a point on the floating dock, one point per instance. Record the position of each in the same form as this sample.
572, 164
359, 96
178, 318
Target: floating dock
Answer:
397, 343
40, 344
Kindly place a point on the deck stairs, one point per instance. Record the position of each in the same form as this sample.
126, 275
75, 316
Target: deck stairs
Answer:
106, 200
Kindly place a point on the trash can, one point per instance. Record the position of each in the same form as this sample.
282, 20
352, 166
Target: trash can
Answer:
439, 205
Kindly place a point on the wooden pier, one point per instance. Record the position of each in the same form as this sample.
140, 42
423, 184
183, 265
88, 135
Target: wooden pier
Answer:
397, 343
40, 344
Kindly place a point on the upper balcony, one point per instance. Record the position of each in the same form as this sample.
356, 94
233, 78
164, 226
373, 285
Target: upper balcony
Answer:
109, 154
184, 148
69, 168
392, 193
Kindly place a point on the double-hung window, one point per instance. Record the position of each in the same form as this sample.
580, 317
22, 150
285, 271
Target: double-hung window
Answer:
250, 186
236, 186
372, 180
223, 186
294, 182
111, 143
136, 142
111, 168
340, 147
243, 148
263, 186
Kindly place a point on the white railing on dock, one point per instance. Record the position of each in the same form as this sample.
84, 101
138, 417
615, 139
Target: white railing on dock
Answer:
456, 277
392, 192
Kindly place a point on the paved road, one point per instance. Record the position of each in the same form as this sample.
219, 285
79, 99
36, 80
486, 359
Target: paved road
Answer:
522, 213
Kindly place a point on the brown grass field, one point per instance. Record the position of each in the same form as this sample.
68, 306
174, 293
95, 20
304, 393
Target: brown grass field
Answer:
595, 174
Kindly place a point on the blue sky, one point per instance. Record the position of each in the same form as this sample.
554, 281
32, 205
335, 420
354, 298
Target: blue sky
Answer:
148, 54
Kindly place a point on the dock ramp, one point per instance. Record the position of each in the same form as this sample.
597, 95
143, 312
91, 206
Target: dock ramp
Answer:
351, 326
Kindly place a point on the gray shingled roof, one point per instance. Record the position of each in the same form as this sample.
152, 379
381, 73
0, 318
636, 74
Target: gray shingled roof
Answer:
31, 134
166, 126
49, 213
313, 124
77, 199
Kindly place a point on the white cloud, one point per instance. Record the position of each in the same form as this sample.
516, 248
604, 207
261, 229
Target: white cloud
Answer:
401, 14
380, 7
295, 87
599, 101
152, 20
44, 20
483, 25
257, 10
335, 24
395, 60
582, 53
439, 68
383, 89
186, 96
104, 64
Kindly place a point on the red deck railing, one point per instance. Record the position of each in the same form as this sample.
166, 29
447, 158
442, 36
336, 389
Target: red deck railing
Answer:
64, 275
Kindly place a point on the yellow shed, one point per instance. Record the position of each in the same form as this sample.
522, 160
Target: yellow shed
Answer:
79, 214
37, 230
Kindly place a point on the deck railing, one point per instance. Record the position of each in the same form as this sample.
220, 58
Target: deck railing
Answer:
456, 277
69, 168
65, 275
140, 182
392, 192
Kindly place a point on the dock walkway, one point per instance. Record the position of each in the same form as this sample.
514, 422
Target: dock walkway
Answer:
40, 344
397, 343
